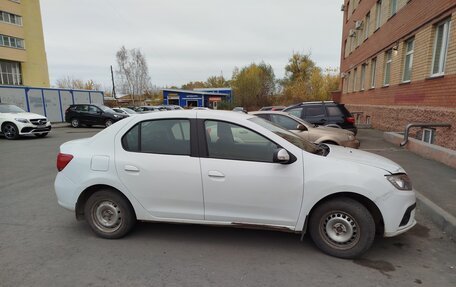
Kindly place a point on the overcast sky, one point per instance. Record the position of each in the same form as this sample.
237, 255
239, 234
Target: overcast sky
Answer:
187, 40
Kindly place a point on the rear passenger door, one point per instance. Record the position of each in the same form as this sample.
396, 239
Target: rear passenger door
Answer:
315, 114
154, 162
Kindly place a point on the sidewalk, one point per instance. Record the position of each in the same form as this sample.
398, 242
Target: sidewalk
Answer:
434, 182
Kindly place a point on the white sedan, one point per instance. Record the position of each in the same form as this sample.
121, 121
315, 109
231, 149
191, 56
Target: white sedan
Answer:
225, 168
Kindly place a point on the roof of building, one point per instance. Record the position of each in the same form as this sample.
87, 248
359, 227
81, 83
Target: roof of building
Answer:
194, 92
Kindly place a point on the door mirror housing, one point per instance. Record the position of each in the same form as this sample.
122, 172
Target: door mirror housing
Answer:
301, 127
281, 156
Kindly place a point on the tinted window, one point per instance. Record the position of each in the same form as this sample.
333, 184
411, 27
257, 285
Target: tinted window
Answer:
295, 112
82, 108
93, 110
160, 136
229, 141
334, 111
285, 122
315, 111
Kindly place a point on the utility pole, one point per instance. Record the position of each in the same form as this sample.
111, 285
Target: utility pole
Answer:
113, 85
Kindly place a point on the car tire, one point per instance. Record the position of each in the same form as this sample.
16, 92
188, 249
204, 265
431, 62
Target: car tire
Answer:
342, 227
41, 135
10, 131
108, 122
109, 214
75, 123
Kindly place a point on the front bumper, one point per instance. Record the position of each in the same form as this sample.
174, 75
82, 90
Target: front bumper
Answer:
352, 144
28, 128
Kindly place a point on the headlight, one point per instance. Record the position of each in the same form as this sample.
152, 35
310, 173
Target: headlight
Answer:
22, 120
401, 181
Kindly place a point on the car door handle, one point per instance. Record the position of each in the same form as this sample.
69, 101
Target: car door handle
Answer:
131, 168
216, 174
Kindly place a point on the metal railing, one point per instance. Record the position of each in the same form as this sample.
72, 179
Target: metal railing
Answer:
421, 125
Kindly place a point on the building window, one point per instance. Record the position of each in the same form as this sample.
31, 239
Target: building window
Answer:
12, 42
373, 71
10, 73
387, 74
393, 7
367, 26
348, 82
10, 18
408, 62
428, 136
363, 77
440, 48
354, 79
378, 14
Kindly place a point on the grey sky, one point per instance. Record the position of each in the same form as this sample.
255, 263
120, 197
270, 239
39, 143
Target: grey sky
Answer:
187, 40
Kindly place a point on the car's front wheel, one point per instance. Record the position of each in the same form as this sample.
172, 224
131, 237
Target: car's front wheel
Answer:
75, 123
109, 214
342, 227
10, 131
108, 123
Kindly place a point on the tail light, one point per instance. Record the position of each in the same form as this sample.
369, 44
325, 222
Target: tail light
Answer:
350, 120
62, 160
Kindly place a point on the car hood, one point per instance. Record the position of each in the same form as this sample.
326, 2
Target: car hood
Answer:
365, 158
333, 131
26, 115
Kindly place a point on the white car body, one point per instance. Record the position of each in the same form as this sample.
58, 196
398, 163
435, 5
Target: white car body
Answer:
26, 123
186, 189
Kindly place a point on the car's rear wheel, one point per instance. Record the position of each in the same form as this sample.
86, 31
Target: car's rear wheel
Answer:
108, 123
75, 123
109, 214
342, 227
41, 135
10, 131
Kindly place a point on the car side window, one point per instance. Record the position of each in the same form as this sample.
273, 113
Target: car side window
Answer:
285, 122
295, 112
82, 108
230, 141
159, 136
93, 110
315, 111
334, 111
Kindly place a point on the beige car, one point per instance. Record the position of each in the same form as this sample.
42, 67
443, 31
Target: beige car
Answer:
308, 131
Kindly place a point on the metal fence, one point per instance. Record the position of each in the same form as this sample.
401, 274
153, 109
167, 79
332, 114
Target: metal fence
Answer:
48, 102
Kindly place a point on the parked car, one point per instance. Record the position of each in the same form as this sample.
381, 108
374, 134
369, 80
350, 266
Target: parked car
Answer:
224, 168
326, 113
170, 107
92, 114
148, 109
310, 132
125, 111
273, 108
240, 109
15, 122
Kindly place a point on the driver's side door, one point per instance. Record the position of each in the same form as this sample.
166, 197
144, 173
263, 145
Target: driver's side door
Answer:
242, 184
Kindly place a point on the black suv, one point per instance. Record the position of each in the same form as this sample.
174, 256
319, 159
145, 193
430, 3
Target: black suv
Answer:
327, 113
91, 114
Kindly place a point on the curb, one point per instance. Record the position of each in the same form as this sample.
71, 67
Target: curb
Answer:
445, 221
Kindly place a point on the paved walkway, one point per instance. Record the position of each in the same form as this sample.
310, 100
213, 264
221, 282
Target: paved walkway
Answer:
434, 180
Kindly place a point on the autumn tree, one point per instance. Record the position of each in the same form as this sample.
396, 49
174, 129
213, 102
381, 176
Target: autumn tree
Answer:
211, 82
69, 82
132, 72
253, 85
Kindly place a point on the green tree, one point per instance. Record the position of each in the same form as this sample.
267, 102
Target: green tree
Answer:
253, 86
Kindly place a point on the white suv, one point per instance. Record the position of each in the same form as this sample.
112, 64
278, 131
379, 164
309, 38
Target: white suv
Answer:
15, 122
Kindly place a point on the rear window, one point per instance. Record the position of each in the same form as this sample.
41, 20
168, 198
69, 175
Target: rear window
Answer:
334, 111
344, 110
315, 111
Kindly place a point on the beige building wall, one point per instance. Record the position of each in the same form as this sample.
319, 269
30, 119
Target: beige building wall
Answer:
33, 59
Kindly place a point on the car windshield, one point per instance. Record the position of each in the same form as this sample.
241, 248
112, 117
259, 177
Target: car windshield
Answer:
11, 109
289, 136
301, 121
129, 111
106, 109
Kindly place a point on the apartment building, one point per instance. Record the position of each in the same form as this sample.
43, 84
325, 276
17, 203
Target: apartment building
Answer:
22, 53
398, 65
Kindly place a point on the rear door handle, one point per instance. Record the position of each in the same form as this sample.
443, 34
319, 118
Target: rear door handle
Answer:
131, 168
217, 174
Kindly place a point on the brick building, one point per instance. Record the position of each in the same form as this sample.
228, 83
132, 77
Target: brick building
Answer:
398, 64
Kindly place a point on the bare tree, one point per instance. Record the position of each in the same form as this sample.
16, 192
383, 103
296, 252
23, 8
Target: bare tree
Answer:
132, 72
69, 82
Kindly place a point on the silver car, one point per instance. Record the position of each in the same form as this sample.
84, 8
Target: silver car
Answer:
310, 132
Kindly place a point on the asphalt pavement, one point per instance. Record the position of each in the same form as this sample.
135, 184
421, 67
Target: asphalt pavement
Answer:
41, 244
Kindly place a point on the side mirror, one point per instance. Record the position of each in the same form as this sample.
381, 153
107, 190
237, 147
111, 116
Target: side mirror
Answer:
281, 156
301, 127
